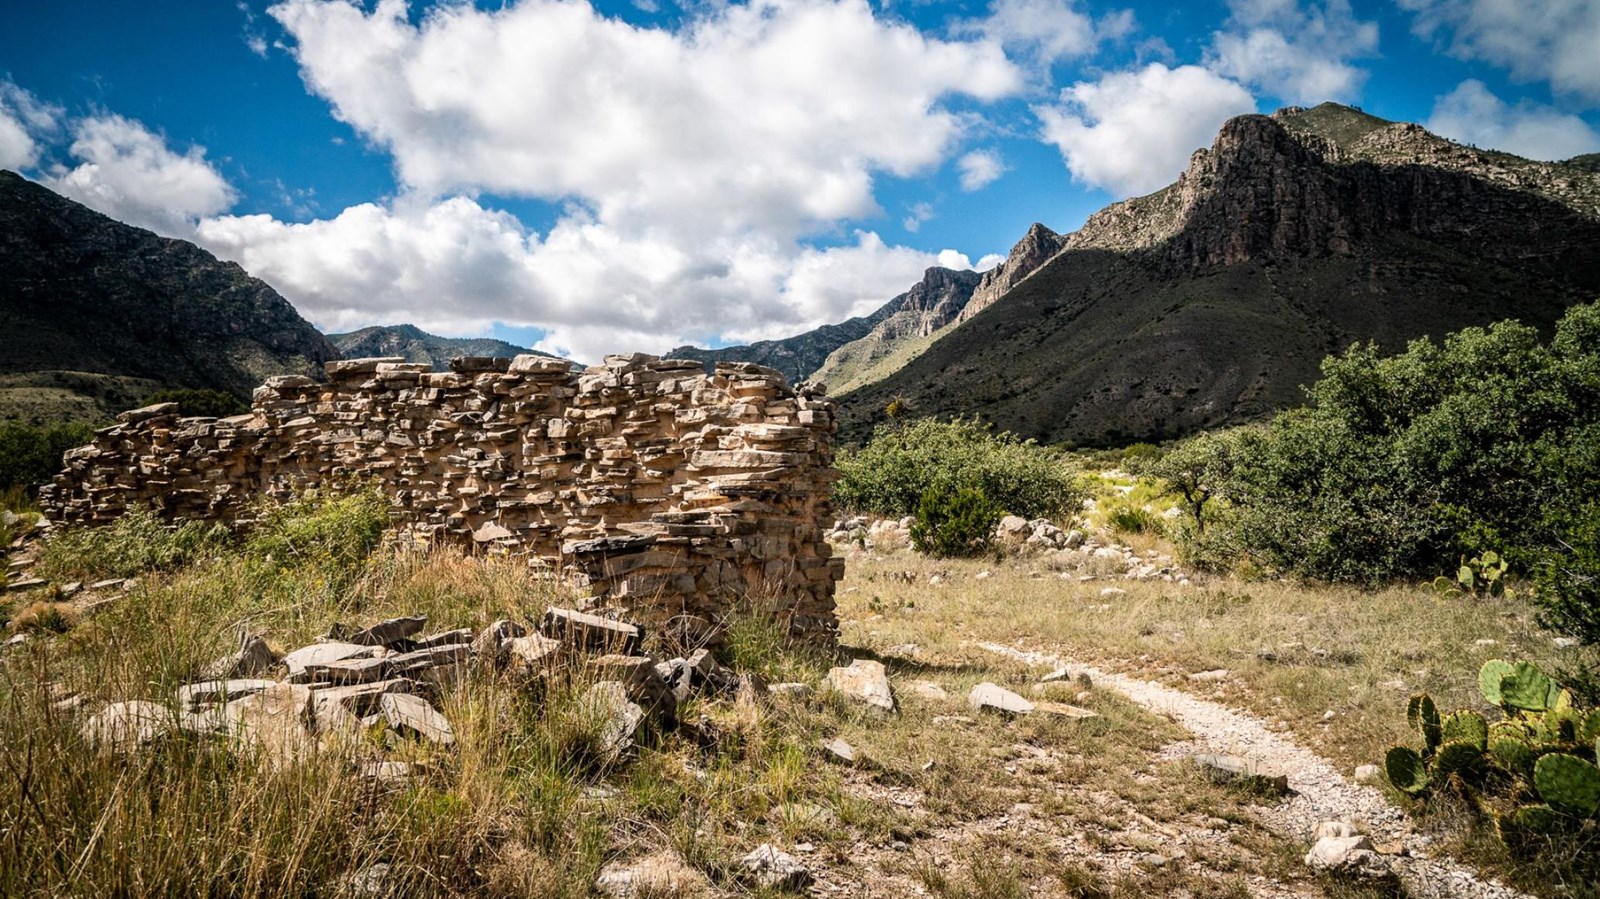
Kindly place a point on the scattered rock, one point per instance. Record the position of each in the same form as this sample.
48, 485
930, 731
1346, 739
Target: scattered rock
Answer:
1210, 677
994, 697
1113, 591
1348, 856
123, 726
662, 875
253, 657
340, 709
1064, 710
839, 751
1370, 775
774, 869
390, 632
1334, 829
534, 652
491, 643
350, 671
1233, 769
1567, 642
410, 715
864, 681
592, 633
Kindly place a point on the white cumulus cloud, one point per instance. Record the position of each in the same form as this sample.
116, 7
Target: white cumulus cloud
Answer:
1132, 132
22, 119
1048, 31
772, 115
1472, 114
456, 266
979, 169
127, 172
1557, 41
1300, 54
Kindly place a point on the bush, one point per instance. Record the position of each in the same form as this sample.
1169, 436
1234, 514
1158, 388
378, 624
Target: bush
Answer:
903, 463
1125, 520
1401, 466
138, 542
955, 524
30, 456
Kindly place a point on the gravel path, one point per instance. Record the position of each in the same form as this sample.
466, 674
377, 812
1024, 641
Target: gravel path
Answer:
1320, 792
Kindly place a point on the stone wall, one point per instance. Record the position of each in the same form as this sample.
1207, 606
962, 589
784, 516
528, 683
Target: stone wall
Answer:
667, 494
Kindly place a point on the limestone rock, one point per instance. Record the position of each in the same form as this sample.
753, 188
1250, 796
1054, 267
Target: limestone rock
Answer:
123, 726
1233, 769
274, 722
622, 716
318, 655
864, 680
995, 698
253, 657
839, 751
773, 869
1348, 855
594, 633
410, 715
192, 696
390, 632
661, 875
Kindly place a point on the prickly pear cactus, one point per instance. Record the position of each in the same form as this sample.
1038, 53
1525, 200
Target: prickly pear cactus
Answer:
1406, 771
1424, 716
1465, 726
1528, 689
1490, 676
1568, 784
1514, 755
1464, 760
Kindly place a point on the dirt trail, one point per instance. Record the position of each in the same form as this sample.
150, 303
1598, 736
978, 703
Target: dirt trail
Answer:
1320, 792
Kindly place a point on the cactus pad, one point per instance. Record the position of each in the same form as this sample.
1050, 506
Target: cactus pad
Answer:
1489, 677
1514, 755
1461, 758
1406, 771
1465, 726
1527, 688
1568, 784
1424, 716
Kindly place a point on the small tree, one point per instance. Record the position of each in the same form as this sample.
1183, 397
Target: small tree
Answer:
1195, 472
955, 524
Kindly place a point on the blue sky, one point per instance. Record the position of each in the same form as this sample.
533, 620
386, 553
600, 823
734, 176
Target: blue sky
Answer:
631, 175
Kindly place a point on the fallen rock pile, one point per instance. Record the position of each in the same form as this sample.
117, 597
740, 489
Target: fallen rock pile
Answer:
384, 680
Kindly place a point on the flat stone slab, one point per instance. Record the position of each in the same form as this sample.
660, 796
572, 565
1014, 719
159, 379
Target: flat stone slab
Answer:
995, 698
273, 721
192, 696
389, 632
866, 681
122, 726
407, 715
592, 632
322, 654
351, 671
771, 868
1233, 769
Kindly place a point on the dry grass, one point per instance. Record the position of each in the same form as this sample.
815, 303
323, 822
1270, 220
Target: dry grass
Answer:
522, 807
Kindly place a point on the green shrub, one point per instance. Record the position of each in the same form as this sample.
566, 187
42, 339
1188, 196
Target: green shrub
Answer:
1125, 520
207, 403
329, 529
138, 542
891, 474
30, 456
955, 524
1401, 466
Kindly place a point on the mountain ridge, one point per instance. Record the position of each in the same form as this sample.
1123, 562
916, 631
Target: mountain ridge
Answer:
417, 345
86, 295
1212, 300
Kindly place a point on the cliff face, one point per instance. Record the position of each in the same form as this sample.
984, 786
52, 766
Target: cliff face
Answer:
81, 292
1210, 302
1033, 250
921, 312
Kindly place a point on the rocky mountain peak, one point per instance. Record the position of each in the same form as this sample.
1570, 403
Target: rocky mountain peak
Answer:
1033, 250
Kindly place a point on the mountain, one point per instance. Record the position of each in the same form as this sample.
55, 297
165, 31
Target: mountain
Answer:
1035, 248
798, 356
94, 312
1213, 300
417, 345
931, 304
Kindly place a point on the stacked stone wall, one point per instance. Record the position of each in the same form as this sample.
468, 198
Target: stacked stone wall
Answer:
669, 495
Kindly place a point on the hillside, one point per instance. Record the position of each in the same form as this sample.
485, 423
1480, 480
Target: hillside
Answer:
928, 306
1210, 302
93, 310
798, 357
417, 345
